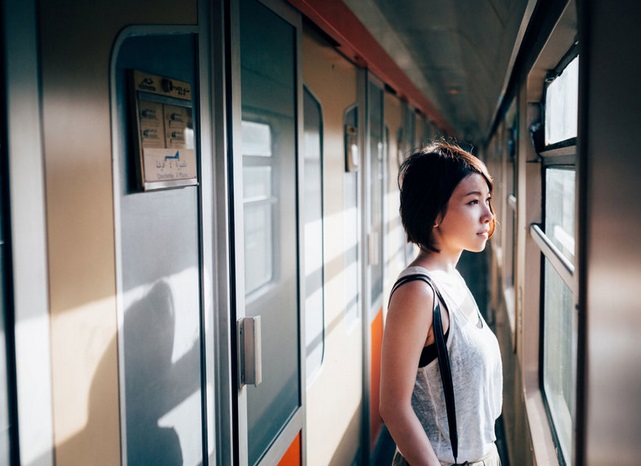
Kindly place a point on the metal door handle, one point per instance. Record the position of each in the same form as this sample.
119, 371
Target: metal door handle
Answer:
251, 361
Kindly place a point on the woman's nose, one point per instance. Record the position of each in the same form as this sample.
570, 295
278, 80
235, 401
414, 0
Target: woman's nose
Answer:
487, 214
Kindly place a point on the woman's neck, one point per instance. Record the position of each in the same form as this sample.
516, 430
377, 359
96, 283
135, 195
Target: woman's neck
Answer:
433, 260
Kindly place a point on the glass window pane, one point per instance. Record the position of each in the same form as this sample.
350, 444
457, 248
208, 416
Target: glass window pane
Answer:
258, 246
257, 139
257, 183
559, 209
313, 208
559, 356
562, 105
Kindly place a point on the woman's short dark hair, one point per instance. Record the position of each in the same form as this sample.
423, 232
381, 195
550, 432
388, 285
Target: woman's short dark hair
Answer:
427, 179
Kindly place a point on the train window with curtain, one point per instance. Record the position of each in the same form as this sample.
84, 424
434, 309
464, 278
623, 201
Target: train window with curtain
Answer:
313, 211
556, 239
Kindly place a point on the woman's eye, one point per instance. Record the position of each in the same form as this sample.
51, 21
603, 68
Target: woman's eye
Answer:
474, 202
487, 201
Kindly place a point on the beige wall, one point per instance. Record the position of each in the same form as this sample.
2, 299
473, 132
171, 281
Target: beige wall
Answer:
76, 40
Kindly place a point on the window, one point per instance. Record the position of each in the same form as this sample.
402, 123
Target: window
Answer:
258, 201
314, 237
561, 104
556, 239
559, 209
559, 359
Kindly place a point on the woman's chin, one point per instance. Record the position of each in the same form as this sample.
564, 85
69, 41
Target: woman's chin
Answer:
478, 248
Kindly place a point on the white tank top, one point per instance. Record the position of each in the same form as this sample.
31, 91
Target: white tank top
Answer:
475, 360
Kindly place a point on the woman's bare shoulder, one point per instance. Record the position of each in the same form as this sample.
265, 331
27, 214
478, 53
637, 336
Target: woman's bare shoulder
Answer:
411, 299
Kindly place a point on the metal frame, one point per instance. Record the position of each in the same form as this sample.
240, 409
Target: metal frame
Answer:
28, 233
213, 14
214, 240
233, 120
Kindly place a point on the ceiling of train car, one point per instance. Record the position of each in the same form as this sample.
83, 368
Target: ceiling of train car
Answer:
457, 52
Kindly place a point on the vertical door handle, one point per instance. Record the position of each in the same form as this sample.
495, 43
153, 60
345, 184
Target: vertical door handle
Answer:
251, 361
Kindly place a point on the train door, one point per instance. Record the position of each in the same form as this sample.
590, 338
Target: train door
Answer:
266, 194
332, 245
163, 202
373, 177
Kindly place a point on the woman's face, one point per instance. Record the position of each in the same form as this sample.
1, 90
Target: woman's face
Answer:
466, 223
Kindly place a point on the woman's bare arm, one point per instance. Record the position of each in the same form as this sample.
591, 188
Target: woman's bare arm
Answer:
409, 318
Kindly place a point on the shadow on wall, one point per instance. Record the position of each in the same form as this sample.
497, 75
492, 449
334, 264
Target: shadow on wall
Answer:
149, 328
154, 386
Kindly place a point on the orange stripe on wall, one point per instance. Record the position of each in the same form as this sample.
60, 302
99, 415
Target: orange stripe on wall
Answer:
376, 422
292, 456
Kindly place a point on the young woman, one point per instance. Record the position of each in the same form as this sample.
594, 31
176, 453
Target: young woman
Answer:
445, 208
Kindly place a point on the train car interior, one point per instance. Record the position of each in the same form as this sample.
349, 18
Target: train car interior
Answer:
200, 229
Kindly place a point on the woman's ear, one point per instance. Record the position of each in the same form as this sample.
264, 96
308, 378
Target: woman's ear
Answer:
438, 219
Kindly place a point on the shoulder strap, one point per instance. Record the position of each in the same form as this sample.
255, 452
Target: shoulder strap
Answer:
441, 350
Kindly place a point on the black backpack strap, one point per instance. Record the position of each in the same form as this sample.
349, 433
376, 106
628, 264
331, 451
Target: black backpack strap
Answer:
441, 350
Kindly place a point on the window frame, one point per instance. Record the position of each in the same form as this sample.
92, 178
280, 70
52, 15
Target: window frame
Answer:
557, 155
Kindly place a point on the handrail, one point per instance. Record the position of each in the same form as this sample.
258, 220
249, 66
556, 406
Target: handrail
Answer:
556, 258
